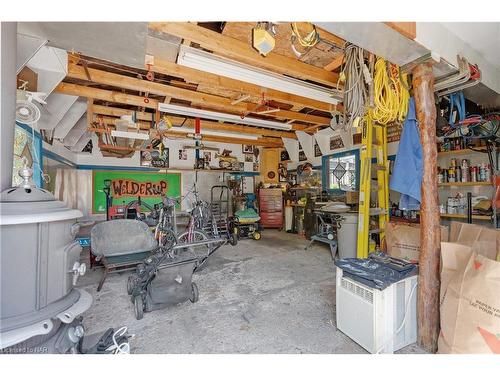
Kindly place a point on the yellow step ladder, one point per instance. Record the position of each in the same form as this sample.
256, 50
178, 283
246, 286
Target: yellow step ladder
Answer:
374, 138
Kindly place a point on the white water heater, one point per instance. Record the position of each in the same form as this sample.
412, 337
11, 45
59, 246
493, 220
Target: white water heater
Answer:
371, 317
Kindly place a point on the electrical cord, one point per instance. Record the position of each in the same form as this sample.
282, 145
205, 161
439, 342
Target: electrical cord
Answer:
391, 94
310, 40
122, 348
355, 92
45, 177
402, 323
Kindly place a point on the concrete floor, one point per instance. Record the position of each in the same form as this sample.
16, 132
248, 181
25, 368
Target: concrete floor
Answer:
267, 296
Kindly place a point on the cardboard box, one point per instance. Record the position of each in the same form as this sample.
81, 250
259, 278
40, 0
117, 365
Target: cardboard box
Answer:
403, 240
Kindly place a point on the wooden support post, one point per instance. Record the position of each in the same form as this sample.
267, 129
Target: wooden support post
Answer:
430, 235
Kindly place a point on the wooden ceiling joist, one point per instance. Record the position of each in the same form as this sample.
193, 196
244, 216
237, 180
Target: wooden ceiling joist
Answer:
241, 51
214, 80
264, 142
335, 64
143, 125
196, 98
117, 112
189, 123
106, 95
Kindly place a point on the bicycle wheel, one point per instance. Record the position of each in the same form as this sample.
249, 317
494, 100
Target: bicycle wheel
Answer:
201, 251
166, 237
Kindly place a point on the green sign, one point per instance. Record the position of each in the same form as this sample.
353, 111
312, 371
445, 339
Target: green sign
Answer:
127, 186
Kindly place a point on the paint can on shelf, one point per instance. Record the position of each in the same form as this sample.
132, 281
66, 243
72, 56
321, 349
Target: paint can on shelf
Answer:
465, 171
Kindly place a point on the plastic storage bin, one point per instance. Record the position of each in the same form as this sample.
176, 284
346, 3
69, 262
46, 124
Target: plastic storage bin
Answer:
347, 236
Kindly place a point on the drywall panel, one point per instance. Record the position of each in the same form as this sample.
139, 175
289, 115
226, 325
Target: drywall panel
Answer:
76, 132
27, 46
51, 66
71, 117
120, 42
55, 109
377, 38
162, 46
82, 142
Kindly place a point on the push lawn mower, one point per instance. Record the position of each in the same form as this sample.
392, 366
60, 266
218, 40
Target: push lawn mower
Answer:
165, 278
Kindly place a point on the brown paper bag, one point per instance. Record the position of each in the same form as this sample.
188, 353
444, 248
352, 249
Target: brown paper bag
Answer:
403, 240
454, 259
483, 240
470, 312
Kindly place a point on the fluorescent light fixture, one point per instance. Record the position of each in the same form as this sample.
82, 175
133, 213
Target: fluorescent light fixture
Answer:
207, 62
215, 133
130, 135
218, 116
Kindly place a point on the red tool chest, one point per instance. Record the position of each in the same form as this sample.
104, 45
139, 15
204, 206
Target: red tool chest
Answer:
271, 208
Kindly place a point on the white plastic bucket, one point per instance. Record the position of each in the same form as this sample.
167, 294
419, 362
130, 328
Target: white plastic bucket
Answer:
347, 236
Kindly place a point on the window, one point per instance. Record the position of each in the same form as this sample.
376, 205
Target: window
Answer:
341, 171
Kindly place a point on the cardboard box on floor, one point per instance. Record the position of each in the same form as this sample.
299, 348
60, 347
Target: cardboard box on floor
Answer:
403, 240
470, 290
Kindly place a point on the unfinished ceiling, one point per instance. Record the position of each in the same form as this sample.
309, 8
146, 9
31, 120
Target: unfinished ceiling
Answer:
130, 68
118, 85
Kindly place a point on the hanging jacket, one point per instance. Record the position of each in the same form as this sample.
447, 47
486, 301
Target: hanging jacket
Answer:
406, 176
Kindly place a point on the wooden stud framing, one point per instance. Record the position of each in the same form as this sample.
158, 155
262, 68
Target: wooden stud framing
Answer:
197, 98
241, 51
197, 77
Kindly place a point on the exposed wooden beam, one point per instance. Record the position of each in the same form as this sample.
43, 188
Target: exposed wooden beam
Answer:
241, 51
176, 120
143, 125
117, 112
312, 128
336, 62
408, 29
265, 142
195, 97
210, 125
106, 95
214, 80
